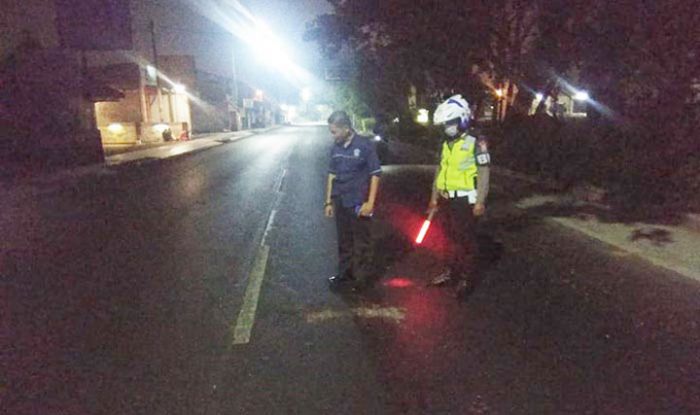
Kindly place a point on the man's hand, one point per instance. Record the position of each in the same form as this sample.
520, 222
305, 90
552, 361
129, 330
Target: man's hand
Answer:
329, 211
443, 194
366, 209
479, 209
432, 207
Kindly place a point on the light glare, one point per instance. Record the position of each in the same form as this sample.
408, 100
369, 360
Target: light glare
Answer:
115, 128
423, 117
581, 96
306, 94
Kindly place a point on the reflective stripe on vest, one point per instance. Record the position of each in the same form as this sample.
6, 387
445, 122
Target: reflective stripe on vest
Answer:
458, 166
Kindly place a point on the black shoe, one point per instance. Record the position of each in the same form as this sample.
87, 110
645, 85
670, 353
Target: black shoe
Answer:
444, 278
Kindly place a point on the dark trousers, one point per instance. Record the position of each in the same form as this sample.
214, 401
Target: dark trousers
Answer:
461, 229
354, 244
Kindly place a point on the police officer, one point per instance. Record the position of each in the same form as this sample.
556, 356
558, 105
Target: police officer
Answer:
462, 182
351, 192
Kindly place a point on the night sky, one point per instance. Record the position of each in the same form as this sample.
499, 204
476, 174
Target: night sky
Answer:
191, 27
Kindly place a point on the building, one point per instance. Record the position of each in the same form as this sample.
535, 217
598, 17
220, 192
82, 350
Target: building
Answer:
47, 101
216, 108
150, 111
47, 113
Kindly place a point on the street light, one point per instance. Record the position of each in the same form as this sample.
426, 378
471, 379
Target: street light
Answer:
115, 128
423, 116
267, 45
179, 89
151, 72
581, 96
160, 128
306, 94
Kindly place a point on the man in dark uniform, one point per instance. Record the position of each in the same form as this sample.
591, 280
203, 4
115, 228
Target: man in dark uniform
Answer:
351, 192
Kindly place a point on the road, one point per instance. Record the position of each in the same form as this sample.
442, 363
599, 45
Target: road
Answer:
196, 285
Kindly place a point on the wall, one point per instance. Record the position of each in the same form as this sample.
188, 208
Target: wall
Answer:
119, 133
126, 110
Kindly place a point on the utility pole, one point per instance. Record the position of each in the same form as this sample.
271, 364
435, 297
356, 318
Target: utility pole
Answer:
155, 64
235, 78
238, 115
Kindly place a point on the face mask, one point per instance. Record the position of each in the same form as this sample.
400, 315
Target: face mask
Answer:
451, 130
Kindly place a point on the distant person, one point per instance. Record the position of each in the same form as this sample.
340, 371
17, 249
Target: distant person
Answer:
462, 183
351, 192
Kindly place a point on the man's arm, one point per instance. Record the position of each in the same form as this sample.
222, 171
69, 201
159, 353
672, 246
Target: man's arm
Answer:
373, 189
329, 188
368, 207
328, 206
483, 171
434, 191
375, 170
482, 185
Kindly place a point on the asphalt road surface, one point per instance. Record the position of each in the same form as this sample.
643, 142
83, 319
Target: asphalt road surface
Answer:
197, 285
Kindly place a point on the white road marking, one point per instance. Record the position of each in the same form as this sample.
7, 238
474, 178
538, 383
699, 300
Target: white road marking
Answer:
246, 317
270, 221
390, 313
281, 181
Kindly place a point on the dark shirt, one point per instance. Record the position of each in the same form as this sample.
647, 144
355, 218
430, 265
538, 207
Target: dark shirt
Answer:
353, 166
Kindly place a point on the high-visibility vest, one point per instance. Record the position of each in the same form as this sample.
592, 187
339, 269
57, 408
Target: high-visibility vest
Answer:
458, 165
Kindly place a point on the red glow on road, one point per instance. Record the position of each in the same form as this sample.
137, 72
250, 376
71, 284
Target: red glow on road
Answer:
399, 282
423, 231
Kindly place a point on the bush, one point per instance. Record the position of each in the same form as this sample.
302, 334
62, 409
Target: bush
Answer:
629, 163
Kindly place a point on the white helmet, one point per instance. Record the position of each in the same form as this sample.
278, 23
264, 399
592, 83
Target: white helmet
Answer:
453, 108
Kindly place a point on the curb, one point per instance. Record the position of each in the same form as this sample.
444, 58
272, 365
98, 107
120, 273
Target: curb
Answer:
586, 193
692, 221
231, 139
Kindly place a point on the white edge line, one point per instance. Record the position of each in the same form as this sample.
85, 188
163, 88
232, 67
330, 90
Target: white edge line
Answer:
270, 221
281, 181
246, 317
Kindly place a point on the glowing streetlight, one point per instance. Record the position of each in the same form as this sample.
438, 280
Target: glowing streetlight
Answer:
581, 96
179, 89
423, 117
499, 93
161, 127
151, 72
306, 94
539, 96
115, 128
267, 46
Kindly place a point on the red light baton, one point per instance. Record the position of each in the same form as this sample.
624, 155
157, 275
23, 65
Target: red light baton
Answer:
424, 228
